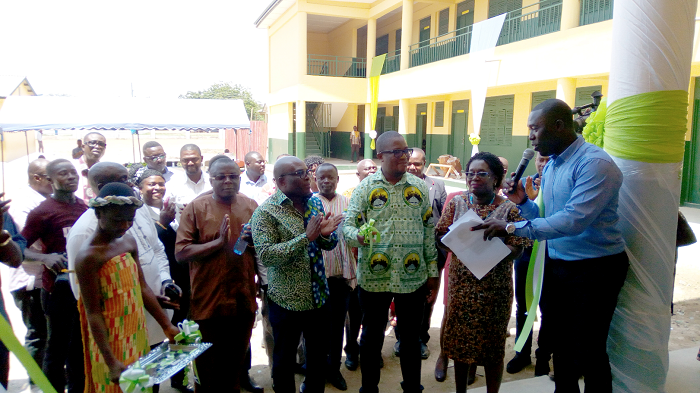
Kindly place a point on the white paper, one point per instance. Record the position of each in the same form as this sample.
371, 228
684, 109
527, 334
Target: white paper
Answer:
477, 254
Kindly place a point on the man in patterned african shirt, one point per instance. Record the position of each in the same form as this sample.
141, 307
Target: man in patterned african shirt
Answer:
400, 266
289, 231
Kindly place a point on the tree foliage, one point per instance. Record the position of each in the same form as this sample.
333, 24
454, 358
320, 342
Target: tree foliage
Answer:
224, 91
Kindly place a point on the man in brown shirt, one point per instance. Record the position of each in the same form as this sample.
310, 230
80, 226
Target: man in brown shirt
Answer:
223, 283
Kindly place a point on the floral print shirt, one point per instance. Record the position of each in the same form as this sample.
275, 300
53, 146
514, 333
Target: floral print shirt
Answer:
296, 275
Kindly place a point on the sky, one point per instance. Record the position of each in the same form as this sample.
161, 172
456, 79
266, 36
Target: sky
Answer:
162, 49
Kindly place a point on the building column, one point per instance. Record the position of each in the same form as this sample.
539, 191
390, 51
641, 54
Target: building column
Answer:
481, 11
570, 14
566, 90
368, 127
301, 130
303, 55
406, 33
371, 43
404, 110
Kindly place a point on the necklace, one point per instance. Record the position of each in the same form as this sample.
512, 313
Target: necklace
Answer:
471, 199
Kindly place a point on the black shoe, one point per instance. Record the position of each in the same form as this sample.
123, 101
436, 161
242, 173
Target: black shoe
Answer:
338, 381
396, 348
248, 383
181, 388
381, 362
518, 363
424, 351
300, 369
351, 361
541, 368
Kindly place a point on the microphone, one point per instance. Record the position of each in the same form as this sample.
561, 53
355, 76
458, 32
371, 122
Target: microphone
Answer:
528, 154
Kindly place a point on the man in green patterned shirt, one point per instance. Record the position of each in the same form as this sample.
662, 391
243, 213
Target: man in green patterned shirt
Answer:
401, 266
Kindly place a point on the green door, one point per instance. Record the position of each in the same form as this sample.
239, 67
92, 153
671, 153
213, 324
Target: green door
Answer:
424, 35
690, 183
465, 20
460, 146
382, 45
421, 126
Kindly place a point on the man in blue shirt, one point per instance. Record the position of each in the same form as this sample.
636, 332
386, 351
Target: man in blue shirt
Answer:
586, 263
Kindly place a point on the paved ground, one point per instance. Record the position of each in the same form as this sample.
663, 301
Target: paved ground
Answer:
683, 376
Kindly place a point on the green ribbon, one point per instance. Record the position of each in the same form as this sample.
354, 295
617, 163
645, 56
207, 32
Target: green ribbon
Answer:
370, 232
135, 377
594, 130
13, 345
194, 336
533, 284
648, 127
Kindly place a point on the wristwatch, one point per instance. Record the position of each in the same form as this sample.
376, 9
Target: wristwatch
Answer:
510, 228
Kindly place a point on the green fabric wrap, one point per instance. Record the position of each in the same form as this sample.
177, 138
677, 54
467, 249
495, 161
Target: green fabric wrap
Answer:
648, 127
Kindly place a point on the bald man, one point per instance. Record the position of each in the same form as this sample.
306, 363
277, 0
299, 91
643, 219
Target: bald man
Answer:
25, 281
289, 230
94, 147
253, 179
365, 168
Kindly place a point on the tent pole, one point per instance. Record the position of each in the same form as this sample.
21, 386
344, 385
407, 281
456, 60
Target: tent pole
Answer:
26, 143
138, 138
132, 147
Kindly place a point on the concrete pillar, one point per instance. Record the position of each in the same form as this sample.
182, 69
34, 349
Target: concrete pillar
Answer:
301, 130
570, 14
403, 117
153, 134
303, 56
368, 127
481, 11
371, 42
566, 90
406, 32
222, 134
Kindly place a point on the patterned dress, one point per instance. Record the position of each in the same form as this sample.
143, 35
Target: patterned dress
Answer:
479, 310
124, 314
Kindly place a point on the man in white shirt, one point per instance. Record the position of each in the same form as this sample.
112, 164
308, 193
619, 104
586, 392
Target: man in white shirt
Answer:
254, 179
152, 257
93, 150
183, 188
156, 159
25, 281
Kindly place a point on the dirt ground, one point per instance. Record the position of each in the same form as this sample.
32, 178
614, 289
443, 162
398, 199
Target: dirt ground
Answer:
685, 329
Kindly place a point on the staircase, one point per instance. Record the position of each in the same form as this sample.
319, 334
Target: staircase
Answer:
312, 147
317, 129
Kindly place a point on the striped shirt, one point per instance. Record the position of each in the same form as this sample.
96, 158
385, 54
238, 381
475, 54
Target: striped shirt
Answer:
339, 261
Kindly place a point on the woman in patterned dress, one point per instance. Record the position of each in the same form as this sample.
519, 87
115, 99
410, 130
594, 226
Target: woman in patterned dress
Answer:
113, 292
479, 310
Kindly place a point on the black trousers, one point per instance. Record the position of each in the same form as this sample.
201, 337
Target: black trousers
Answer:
581, 297
29, 303
338, 301
353, 322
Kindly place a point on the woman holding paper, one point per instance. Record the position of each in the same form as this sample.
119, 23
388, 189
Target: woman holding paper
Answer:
479, 309
114, 292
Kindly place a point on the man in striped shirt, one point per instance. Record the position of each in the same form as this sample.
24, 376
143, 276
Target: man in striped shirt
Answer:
340, 271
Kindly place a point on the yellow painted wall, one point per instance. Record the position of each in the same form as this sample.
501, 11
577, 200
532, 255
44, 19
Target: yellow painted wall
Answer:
15, 145
24, 89
284, 55
317, 43
280, 120
343, 40
348, 120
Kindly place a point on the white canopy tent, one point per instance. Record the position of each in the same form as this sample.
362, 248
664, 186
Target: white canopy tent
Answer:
20, 113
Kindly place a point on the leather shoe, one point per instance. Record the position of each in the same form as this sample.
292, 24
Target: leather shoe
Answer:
351, 362
472, 375
424, 351
396, 348
441, 368
338, 381
519, 362
541, 368
249, 384
381, 362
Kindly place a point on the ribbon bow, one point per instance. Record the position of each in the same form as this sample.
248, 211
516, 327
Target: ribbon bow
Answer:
370, 232
189, 332
134, 378
474, 138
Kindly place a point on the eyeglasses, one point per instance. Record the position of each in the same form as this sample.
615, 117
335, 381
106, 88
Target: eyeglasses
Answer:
301, 173
96, 143
398, 153
481, 175
225, 177
154, 158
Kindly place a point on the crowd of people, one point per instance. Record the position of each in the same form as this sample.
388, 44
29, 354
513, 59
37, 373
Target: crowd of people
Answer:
110, 259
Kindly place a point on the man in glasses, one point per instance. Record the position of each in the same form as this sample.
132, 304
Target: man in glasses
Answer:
290, 229
155, 158
223, 281
94, 146
399, 265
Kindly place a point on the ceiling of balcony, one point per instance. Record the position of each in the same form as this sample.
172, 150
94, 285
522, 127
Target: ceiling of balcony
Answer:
323, 24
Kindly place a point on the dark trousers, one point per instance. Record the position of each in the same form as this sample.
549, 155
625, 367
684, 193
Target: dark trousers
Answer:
287, 327
338, 302
409, 313
353, 322
424, 326
520, 266
64, 348
220, 366
581, 297
355, 152
29, 303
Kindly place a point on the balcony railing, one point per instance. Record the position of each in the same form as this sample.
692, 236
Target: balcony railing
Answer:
392, 62
352, 67
450, 44
593, 11
531, 21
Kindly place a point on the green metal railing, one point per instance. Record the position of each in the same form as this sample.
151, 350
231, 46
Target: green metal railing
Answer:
593, 11
392, 62
352, 67
531, 21
450, 44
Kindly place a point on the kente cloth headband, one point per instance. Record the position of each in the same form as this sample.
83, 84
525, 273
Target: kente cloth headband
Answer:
115, 200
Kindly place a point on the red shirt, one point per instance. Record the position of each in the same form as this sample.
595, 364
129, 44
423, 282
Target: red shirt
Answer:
51, 221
